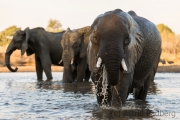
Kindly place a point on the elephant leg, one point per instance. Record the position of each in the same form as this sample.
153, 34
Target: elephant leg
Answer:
74, 75
64, 78
81, 68
46, 64
39, 69
142, 92
87, 75
93, 77
124, 87
155, 68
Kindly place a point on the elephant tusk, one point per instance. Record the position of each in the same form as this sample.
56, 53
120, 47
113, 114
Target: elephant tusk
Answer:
124, 65
60, 61
72, 61
98, 64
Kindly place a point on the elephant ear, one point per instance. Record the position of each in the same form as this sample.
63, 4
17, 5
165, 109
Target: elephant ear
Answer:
84, 41
92, 51
24, 46
135, 46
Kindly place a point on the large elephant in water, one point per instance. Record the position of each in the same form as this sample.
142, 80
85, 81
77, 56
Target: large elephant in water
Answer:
74, 57
123, 54
43, 44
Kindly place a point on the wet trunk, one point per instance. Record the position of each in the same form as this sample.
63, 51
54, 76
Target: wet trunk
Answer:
112, 65
67, 68
7, 61
112, 57
67, 74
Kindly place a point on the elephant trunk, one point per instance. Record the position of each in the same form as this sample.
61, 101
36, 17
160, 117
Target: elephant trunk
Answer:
9, 51
67, 68
112, 59
112, 66
68, 75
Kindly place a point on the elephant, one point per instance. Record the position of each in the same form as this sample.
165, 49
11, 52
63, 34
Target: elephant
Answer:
45, 45
74, 56
123, 54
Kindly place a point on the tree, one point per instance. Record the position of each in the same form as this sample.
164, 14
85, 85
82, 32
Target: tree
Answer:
162, 28
54, 26
7, 34
170, 43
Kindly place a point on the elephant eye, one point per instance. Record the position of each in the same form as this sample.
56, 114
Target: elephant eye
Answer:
126, 40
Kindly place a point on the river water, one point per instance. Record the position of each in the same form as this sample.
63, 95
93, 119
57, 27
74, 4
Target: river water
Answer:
22, 98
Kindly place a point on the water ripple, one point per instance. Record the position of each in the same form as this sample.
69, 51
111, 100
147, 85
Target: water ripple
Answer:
22, 98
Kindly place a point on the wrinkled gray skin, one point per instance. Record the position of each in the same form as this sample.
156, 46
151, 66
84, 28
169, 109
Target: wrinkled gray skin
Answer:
117, 35
74, 43
43, 44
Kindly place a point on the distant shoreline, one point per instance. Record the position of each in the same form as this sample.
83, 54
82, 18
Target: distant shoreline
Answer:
30, 69
169, 68
161, 68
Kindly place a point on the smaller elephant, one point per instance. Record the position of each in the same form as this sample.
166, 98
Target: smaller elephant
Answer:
74, 56
45, 45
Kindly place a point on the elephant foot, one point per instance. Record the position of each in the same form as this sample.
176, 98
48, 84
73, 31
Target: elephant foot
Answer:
48, 82
39, 82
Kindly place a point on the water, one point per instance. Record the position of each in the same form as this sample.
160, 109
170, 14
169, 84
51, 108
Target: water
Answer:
22, 98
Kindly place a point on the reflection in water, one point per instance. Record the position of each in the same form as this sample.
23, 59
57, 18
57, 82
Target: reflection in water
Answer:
132, 111
132, 108
83, 88
22, 98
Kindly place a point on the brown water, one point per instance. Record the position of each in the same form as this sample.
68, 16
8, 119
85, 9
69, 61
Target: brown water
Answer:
22, 98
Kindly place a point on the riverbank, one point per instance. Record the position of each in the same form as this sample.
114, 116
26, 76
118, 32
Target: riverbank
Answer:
31, 69
169, 68
161, 68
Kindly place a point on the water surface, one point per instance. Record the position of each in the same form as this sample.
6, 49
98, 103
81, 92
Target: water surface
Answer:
22, 98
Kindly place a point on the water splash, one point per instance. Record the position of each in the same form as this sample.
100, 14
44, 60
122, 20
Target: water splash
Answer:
102, 89
103, 84
104, 92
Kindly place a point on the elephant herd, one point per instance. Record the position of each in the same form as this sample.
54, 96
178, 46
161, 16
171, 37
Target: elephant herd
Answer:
120, 52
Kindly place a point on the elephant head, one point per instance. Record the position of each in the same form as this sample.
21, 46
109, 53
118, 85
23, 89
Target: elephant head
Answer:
112, 36
74, 43
19, 41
